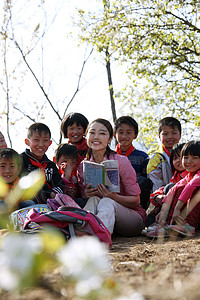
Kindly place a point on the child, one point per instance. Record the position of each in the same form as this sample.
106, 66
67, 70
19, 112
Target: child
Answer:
66, 157
126, 130
10, 167
159, 168
180, 195
39, 140
179, 173
73, 127
2, 141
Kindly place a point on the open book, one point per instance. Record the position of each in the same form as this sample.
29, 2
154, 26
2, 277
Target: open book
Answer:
106, 173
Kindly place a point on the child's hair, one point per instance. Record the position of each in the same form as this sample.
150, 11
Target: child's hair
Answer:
107, 124
66, 149
9, 153
191, 148
39, 127
176, 151
126, 120
169, 121
72, 118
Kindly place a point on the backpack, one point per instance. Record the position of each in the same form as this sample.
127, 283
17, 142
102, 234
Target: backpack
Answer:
18, 217
72, 221
61, 200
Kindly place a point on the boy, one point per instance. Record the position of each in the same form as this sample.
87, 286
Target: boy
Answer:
10, 167
66, 158
126, 130
159, 168
39, 140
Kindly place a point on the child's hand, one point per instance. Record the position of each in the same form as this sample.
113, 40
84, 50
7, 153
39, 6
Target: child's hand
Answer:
71, 192
158, 199
163, 214
104, 191
90, 192
67, 170
157, 217
176, 216
52, 195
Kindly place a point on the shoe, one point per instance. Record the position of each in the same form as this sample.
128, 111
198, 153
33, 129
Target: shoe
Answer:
184, 230
159, 232
144, 232
152, 227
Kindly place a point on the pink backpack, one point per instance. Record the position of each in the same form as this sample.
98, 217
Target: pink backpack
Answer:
72, 221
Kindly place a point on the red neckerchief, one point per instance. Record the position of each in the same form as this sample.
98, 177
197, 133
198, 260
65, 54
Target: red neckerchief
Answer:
128, 152
61, 171
13, 184
81, 146
36, 163
166, 151
177, 176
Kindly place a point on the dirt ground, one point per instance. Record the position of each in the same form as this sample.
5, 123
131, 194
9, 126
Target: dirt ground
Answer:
156, 270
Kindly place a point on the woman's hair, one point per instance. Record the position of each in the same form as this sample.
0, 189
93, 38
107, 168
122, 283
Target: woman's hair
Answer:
176, 151
108, 126
72, 118
191, 148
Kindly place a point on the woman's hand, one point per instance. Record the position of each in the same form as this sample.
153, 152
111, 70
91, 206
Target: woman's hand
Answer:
90, 192
104, 191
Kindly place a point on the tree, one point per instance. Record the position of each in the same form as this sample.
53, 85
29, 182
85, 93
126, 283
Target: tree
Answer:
159, 42
24, 31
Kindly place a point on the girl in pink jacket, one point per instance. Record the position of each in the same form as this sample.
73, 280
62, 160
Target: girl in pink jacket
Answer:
181, 195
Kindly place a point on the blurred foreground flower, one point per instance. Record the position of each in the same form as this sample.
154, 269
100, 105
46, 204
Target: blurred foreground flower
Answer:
85, 260
3, 188
24, 258
26, 188
16, 259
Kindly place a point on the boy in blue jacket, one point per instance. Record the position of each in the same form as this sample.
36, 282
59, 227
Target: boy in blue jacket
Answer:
126, 130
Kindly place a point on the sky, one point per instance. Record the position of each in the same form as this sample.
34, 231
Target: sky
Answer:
57, 62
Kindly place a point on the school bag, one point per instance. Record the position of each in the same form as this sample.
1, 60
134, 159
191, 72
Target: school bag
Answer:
18, 217
72, 221
61, 200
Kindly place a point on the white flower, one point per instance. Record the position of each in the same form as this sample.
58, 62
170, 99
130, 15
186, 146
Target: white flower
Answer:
86, 260
16, 258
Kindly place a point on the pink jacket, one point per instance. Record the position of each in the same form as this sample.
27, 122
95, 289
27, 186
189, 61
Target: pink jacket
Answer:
189, 189
191, 182
127, 177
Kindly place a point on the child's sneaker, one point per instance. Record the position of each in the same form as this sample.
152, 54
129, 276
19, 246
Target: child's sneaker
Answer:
159, 232
184, 230
152, 227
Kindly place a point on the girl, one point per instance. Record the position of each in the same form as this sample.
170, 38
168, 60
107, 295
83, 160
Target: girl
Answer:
73, 127
178, 173
172, 209
120, 212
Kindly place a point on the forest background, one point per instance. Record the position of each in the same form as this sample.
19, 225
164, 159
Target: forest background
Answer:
100, 58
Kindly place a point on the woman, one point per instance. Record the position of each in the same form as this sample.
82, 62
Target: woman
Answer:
120, 212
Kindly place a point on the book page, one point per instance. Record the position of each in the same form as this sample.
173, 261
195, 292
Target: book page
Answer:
112, 175
93, 173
